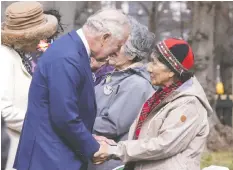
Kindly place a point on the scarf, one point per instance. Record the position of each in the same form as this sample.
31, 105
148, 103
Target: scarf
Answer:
148, 107
26, 60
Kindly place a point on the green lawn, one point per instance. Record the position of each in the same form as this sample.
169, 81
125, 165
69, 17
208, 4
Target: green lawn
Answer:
217, 158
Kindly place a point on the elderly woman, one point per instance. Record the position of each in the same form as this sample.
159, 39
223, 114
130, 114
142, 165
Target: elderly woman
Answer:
171, 130
24, 27
121, 95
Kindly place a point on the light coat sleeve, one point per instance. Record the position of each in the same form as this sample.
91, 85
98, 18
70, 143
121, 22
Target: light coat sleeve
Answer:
123, 110
65, 77
174, 136
5, 141
12, 115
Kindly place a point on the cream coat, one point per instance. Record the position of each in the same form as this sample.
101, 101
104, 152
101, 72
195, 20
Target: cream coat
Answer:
173, 136
15, 81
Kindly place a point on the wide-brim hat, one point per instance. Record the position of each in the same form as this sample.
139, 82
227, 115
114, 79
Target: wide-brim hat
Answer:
25, 22
177, 54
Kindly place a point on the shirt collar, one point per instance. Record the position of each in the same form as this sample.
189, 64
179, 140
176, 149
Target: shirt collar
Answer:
84, 40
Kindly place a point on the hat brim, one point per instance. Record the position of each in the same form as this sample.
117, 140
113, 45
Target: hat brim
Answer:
43, 31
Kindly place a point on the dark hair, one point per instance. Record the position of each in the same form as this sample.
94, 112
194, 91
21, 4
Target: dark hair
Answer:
186, 75
60, 28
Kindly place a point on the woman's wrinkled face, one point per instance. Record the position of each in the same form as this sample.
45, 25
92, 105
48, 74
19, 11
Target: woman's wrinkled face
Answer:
159, 73
118, 59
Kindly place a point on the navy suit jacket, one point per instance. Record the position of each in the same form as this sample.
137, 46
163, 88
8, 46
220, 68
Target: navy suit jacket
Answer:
61, 110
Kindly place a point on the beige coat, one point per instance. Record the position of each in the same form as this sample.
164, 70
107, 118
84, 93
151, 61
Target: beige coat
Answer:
173, 136
15, 81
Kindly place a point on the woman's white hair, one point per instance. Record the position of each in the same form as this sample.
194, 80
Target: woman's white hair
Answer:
108, 20
140, 42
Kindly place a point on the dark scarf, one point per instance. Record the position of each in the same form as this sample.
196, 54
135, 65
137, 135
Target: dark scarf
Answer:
29, 60
148, 107
26, 60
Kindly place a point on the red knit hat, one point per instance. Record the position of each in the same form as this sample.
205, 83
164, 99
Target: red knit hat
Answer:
177, 54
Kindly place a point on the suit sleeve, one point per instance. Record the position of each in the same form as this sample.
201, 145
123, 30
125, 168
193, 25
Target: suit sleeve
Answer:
12, 115
174, 136
64, 79
121, 114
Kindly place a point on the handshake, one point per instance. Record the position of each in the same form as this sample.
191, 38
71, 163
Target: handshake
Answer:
102, 155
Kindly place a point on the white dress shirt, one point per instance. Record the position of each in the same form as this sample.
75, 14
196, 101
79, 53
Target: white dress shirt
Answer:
84, 40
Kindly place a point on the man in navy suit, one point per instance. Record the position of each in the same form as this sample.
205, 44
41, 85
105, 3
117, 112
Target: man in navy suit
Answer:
61, 109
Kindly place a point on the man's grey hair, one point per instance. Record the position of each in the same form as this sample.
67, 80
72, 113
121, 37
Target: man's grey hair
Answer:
140, 42
108, 20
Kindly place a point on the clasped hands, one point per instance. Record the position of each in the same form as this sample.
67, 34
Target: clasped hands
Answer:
102, 155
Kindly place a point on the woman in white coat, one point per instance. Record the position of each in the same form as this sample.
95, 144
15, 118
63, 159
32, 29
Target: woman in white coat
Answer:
171, 129
24, 27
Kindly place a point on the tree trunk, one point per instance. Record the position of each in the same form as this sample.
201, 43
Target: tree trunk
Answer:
118, 4
222, 41
152, 16
202, 41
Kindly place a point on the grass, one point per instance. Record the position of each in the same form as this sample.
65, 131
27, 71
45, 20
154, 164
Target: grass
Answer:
217, 158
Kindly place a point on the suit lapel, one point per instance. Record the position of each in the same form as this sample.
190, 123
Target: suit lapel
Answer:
87, 67
85, 59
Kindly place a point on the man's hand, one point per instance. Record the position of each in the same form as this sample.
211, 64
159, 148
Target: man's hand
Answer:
104, 139
102, 154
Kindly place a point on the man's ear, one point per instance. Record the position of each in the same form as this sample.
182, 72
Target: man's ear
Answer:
105, 38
